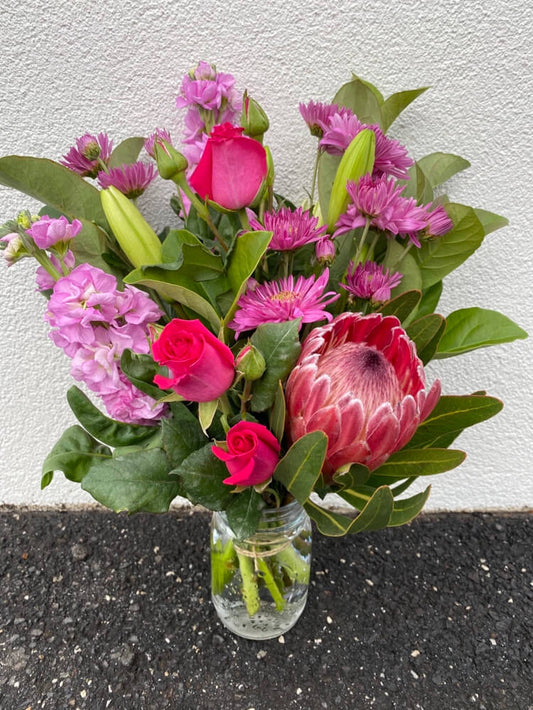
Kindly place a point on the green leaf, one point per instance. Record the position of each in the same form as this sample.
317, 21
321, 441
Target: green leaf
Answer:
140, 369
74, 454
396, 103
401, 306
430, 299
300, 468
280, 346
471, 328
361, 99
327, 169
245, 256
374, 89
451, 415
426, 333
420, 462
438, 257
408, 508
278, 413
412, 278
206, 413
417, 186
374, 515
357, 475
182, 434
136, 482
244, 512
202, 476
103, 428
89, 245
490, 221
52, 183
126, 152
439, 167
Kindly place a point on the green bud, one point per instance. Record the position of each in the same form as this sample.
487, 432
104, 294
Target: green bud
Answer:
253, 119
358, 160
250, 363
24, 219
170, 162
136, 238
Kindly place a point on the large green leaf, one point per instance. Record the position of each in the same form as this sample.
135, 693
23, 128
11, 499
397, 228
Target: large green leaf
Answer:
361, 99
451, 415
439, 167
408, 508
202, 476
418, 186
401, 306
103, 428
126, 152
490, 220
244, 512
52, 183
412, 278
420, 462
300, 468
182, 434
137, 482
438, 257
280, 346
426, 333
471, 328
396, 103
430, 300
374, 515
74, 454
89, 245
140, 369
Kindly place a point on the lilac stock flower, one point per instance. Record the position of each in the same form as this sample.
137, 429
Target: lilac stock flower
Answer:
132, 180
48, 231
129, 404
370, 281
206, 88
283, 300
157, 135
87, 155
43, 279
290, 230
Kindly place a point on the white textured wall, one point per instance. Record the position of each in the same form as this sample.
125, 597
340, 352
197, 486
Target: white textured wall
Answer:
67, 67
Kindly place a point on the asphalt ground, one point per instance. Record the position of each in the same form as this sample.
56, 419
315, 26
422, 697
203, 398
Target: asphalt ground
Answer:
99, 610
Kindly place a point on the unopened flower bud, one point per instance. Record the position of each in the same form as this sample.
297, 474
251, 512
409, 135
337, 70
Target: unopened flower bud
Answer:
253, 119
325, 251
13, 249
250, 363
170, 162
24, 219
91, 150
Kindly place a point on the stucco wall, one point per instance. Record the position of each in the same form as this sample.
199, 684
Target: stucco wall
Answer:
67, 67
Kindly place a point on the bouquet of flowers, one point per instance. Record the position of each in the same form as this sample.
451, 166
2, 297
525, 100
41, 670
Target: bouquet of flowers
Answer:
255, 351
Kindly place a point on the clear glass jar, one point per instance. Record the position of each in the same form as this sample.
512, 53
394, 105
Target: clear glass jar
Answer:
259, 585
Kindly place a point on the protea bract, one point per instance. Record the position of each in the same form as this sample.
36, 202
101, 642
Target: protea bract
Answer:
360, 381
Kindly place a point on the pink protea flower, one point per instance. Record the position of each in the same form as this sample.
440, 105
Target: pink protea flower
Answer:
370, 281
283, 300
87, 155
157, 135
290, 230
48, 231
360, 381
132, 180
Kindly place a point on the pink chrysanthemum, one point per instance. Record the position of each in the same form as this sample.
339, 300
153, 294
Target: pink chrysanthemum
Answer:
370, 281
290, 230
132, 180
157, 135
340, 131
438, 222
283, 300
85, 157
318, 115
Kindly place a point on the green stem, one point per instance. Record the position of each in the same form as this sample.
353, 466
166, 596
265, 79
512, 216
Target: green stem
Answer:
361, 242
245, 396
271, 585
401, 257
222, 566
294, 565
250, 590
370, 253
315, 174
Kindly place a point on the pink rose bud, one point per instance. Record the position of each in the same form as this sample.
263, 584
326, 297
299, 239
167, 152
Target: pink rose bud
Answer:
252, 454
201, 366
231, 169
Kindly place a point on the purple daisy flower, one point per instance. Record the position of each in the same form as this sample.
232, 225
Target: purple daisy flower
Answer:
86, 156
283, 300
290, 230
132, 180
370, 281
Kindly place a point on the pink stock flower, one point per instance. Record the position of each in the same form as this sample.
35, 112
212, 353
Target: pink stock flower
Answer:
360, 381
290, 230
85, 156
48, 231
370, 281
206, 88
283, 300
132, 180
202, 368
43, 279
157, 135
231, 169
251, 456
128, 404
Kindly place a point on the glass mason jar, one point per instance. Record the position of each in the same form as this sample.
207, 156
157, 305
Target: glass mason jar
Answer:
259, 585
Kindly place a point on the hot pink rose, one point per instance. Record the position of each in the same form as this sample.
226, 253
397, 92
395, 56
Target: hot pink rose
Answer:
252, 455
231, 169
202, 367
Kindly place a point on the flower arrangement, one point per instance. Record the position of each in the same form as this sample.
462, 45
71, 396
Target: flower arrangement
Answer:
256, 351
